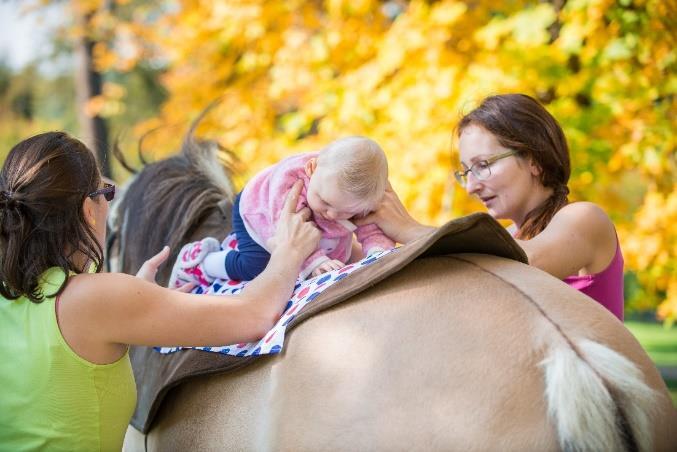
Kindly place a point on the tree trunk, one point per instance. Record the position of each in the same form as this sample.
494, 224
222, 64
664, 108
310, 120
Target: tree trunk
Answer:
88, 84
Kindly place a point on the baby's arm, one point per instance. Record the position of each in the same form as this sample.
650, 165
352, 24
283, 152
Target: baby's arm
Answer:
373, 239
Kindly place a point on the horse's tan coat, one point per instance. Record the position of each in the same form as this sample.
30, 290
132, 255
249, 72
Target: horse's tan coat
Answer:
444, 355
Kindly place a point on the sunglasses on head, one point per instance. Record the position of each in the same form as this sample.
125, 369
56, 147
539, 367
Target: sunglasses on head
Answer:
108, 192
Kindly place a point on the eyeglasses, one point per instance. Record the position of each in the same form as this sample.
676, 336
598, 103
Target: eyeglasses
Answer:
108, 192
481, 169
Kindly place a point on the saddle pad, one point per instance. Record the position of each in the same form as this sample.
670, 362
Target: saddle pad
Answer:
156, 374
304, 292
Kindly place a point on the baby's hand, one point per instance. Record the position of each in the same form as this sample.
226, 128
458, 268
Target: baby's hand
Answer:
328, 266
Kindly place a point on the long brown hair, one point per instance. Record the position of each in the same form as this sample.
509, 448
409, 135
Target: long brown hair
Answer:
520, 123
43, 185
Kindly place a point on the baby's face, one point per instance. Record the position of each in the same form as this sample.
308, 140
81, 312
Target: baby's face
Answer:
327, 200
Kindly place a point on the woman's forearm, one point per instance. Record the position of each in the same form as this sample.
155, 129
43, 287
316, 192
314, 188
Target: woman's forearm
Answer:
270, 291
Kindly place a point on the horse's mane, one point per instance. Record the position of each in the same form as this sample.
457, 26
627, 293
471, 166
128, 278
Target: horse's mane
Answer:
171, 198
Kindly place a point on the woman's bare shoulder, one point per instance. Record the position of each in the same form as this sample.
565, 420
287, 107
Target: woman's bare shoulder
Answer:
587, 217
102, 287
594, 229
93, 279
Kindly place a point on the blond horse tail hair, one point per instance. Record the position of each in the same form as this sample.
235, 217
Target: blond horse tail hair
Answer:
597, 399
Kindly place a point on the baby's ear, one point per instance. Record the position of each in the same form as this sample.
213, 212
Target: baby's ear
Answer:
311, 165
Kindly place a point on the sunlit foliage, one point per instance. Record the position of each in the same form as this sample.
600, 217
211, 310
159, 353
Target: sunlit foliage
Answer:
293, 75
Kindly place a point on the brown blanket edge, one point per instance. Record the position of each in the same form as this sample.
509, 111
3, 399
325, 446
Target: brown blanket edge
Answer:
156, 374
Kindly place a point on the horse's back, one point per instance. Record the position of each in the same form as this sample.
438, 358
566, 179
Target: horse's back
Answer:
444, 355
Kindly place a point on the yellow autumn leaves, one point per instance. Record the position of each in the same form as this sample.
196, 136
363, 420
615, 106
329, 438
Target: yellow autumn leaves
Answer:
294, 75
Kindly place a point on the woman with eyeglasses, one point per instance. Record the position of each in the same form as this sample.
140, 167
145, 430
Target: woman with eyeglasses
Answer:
66, 381
515, 159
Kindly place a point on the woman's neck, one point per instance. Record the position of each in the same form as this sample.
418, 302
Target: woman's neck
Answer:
540, 195
80, 261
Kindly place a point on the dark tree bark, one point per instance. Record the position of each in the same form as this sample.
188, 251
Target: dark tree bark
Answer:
88, 84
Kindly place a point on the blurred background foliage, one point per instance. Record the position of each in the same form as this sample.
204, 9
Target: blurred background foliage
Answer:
293, 75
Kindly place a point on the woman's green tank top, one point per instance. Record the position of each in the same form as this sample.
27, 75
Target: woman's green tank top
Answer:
50, 398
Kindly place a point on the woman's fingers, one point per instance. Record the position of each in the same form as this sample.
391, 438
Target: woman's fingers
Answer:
149, 268
394, 220
293, 228
292, 198
390, 207
159, 258
304, 213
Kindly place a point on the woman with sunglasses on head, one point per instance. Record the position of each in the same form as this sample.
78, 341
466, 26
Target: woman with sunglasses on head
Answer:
515, 159
65, 374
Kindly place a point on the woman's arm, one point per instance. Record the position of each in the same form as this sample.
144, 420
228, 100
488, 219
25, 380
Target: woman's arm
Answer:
100, 311
145, 314
579, 238
394, 220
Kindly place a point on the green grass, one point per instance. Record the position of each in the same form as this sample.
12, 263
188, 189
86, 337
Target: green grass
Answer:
661, 345
672, 387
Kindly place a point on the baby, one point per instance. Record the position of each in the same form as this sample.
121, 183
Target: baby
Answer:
344, 180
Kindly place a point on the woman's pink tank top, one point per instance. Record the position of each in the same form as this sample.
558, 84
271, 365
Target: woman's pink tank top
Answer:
606, 287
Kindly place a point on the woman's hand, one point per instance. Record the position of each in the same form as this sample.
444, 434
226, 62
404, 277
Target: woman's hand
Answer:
394, 220
294, 234
294, 240
149, 269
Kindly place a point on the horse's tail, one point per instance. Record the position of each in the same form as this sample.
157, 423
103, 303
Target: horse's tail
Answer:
597, 398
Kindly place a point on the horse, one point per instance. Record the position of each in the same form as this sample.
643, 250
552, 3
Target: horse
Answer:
450, 352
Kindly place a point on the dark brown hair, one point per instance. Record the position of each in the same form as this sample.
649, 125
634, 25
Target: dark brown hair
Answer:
520, 123
43, 185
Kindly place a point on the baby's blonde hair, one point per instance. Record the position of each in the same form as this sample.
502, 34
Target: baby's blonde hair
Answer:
361, 168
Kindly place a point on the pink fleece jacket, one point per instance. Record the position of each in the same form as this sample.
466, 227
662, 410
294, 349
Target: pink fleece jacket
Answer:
262, 200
